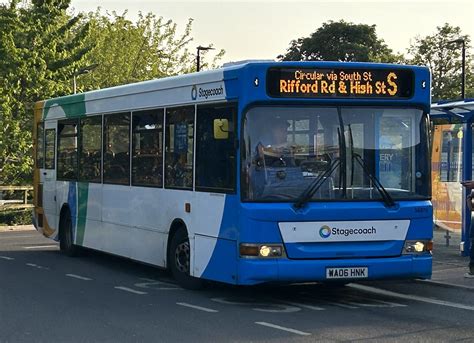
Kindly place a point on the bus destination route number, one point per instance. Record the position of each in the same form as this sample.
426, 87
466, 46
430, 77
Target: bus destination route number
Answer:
337, 83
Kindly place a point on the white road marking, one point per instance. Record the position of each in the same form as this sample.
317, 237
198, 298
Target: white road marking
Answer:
369, 302
279, 307
411, 297
158, 285
343, 304
36, 266
283, 328
41, 246
7, 258
447, 283
205, 309
310, 307
126, 289
79, 277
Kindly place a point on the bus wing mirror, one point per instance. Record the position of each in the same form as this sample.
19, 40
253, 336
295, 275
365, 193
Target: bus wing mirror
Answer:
221, 129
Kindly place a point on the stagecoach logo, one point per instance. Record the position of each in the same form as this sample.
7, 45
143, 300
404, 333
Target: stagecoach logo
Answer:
194, 92
198, 92
325, 231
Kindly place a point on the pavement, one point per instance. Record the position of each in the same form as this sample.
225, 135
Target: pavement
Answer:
449, 266
6, 228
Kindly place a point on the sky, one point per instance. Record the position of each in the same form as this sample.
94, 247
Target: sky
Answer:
264, 29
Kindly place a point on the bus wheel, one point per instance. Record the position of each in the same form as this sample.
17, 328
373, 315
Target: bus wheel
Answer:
180, 260
65, 235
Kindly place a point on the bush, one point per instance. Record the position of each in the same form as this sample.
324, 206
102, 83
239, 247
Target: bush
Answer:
18, 217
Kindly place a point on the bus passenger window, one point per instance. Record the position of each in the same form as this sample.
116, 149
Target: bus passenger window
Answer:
116, 148
67, 150
50, 147
215, 157
147, 148
90, 152
179, 147
40, 145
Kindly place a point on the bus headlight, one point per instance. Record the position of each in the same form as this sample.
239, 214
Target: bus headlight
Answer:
418, 247
261, 250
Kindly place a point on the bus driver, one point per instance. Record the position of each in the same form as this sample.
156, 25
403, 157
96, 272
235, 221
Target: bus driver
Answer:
273, 148
272, 155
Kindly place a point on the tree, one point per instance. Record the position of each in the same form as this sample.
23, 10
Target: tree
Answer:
43, 48
40, 45
341, 41
128, 52
444, 60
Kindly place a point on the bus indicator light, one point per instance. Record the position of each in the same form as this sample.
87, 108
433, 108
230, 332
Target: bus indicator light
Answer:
248, 250
418, 247
261, 250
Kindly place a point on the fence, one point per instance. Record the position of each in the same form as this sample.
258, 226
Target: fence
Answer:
14, 201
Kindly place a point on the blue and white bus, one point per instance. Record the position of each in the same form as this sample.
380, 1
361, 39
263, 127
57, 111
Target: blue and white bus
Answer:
256, 172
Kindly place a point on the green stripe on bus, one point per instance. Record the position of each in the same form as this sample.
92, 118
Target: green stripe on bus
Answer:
72, 105
82, 197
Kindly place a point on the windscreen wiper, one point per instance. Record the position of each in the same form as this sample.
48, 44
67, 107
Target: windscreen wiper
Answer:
351, 143
342, 155
386, 197
315, 185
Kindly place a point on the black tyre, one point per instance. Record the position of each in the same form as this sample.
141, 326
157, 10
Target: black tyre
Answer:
179, 261
66, 244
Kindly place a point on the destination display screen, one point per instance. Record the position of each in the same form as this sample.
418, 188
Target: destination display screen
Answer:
339, 83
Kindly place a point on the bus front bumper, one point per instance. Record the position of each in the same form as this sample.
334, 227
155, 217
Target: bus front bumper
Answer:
255, 271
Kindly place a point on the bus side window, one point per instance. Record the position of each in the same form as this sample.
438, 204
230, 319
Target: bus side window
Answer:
117, 148
49, 147
90, 152
179, 147
215, 154
40, 145
147, 148
67, 150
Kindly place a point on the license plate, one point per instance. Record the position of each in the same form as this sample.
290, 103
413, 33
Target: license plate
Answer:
347, 273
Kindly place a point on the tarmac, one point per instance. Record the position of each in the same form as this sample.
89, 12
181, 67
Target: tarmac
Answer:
449, 266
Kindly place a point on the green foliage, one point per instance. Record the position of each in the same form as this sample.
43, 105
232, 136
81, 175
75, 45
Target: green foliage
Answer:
39, 47
444, 60
43, 49
127, 52
341, 41
18, 217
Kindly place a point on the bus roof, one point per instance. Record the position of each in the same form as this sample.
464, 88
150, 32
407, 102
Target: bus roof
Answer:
215, 75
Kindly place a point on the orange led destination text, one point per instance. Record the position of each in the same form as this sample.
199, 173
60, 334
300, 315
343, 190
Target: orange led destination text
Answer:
341, 83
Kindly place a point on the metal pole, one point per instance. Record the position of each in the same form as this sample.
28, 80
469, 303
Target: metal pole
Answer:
463, 84
467, 175
198, 60
74, 83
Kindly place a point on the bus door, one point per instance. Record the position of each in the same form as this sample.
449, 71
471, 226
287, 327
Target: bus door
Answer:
48, 174
446, 176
